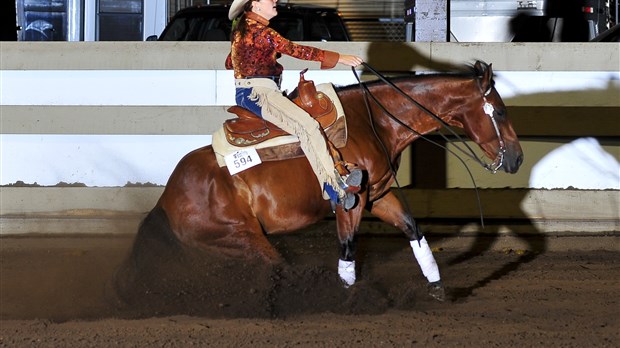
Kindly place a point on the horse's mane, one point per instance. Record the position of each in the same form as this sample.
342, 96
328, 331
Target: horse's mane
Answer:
468, 71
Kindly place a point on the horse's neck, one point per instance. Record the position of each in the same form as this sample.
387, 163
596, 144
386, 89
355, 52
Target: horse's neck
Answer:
431, 96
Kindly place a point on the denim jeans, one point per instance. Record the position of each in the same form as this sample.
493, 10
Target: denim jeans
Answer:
242, 97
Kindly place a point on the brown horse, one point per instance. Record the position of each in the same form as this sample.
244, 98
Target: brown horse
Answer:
209, 209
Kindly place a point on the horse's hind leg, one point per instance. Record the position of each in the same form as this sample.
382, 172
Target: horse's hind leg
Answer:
390, 210
241, 241
228, 233
251, 244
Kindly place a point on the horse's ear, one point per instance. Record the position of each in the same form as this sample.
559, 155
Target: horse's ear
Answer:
486, 80
479, 66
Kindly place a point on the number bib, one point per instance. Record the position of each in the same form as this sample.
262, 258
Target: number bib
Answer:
242, 160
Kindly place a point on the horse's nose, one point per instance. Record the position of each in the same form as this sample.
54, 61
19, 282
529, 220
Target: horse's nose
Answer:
513, 167
519, 161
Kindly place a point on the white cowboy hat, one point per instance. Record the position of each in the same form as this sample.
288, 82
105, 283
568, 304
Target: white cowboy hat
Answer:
236, 8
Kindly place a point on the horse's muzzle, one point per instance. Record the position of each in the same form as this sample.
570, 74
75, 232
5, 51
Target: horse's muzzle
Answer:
512, 161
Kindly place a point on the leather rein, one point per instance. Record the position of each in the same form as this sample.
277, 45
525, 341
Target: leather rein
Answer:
488, 109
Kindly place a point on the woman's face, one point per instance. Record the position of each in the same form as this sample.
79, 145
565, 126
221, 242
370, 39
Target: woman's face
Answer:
265, 8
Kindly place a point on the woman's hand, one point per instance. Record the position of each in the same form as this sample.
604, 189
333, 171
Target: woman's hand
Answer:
350, 60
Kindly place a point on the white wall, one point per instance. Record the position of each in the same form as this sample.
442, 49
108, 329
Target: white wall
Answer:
108, 150
105, 159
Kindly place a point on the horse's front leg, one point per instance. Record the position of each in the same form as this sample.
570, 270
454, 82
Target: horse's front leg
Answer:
348, 224
390, 210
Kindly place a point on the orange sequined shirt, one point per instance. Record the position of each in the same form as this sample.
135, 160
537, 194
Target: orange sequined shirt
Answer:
256, 53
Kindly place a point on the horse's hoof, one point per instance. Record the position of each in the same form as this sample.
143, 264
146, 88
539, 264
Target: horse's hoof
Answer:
346, 284
437, 291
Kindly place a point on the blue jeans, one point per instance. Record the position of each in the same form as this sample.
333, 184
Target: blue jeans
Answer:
242, 97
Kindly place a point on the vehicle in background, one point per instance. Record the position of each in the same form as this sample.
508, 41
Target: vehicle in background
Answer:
295, 22
79, 20
530, 20
610, 35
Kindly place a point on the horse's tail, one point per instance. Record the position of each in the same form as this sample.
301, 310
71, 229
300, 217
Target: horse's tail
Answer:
153, 234
154, 244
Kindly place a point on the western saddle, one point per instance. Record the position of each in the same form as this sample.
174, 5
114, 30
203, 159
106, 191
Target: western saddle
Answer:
249, 129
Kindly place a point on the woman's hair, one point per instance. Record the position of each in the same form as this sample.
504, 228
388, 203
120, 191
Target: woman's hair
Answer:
239, 24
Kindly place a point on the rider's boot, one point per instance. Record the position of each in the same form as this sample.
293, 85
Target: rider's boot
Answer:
350, 177
349, 181
347, 200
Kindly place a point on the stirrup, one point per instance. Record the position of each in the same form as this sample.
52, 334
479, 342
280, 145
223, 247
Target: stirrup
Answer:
348, 201
344, 168
351, 183
354, 180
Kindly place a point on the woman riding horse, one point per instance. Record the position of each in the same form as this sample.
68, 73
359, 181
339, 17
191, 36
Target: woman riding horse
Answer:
205, 208
255, 48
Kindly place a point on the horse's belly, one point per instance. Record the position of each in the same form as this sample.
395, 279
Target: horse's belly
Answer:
291, 220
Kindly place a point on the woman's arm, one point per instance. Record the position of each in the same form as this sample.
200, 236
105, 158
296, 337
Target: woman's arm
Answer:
328, 59
350, 60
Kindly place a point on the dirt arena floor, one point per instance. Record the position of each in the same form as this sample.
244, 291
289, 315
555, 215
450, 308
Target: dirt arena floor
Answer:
79, 291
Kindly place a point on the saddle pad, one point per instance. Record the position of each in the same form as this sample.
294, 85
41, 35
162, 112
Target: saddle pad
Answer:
221, 147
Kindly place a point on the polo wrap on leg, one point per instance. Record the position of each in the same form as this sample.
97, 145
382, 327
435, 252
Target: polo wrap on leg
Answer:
426, 260
346, 271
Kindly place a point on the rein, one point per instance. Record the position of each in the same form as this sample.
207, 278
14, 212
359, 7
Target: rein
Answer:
487, 108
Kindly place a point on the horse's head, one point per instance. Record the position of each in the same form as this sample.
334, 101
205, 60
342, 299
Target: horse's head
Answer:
484, 119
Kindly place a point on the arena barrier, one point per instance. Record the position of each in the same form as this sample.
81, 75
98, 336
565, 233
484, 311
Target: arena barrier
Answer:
544, 120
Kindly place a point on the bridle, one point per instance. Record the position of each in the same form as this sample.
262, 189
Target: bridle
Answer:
488, 109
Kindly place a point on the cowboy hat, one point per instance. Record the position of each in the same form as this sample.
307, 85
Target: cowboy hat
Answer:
236, 8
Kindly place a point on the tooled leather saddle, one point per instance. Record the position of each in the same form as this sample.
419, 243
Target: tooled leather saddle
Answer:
249, 129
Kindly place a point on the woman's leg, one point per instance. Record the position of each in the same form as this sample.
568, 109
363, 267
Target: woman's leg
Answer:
282, 112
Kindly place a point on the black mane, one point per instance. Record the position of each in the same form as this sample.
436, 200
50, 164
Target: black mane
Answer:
469, 71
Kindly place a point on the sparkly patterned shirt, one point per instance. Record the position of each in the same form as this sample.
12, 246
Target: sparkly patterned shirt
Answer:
256, 52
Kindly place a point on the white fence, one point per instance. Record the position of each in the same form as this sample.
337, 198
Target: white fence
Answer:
167, 98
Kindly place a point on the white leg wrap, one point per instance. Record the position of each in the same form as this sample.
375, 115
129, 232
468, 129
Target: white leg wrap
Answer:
346, 270
425, 258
